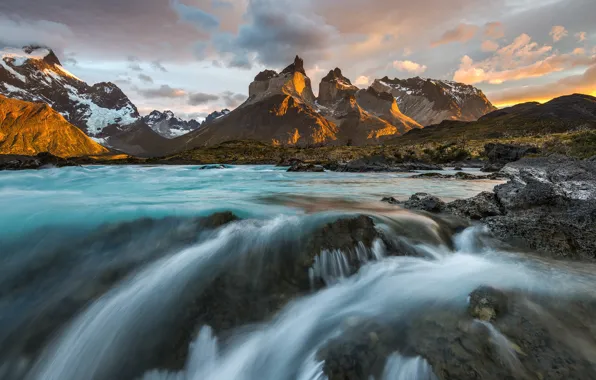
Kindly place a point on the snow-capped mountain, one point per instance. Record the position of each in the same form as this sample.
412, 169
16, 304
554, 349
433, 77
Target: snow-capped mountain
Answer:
168, 125
430, 101
102, 110
216, 115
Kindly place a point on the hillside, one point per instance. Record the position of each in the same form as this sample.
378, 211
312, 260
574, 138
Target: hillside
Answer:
30, 128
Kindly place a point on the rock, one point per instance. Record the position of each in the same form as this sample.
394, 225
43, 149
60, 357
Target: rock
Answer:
487, 304
425, 202
391, 201
303, 168
461, 176
41, 161
501, 154
289, 162
479, 207
214, 166
458, 168
381, 164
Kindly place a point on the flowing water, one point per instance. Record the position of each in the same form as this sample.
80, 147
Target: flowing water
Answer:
115, 273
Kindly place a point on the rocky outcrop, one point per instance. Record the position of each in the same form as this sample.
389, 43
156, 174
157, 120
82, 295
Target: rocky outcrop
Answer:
461, 176
548, 206
31, 128
430, 101
380, 163
168, 125
102, 110
39, 161
499, 155
303, 168
500, 335
334, 87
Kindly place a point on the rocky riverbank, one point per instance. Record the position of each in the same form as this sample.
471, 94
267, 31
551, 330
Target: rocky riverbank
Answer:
548, 206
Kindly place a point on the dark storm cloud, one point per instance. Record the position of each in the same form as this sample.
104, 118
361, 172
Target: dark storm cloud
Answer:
199, 98
274, 34
164, 91
233, 100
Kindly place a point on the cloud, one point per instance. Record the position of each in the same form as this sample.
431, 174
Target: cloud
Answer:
461, 33
409, 66
494, 30
164, 91
233, 100
520, 60
156, 65
362, 80
18, 32
489, 45
558, 33
197, 17
145, 78
134, 63
199, 98
581, 36
272, 36
579, 83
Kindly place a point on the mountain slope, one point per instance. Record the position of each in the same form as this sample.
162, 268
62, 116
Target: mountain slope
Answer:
430, 101
363, 116
564, 114
35, 74
30, 128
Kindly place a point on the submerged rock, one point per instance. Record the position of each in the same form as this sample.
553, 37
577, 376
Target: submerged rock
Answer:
214, 166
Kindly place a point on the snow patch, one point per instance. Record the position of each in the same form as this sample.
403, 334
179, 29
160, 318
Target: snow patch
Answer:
11, 71
98, 117
13, 89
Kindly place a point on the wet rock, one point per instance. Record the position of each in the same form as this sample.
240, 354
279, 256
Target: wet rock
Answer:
303, 168
487, 304
479, 207
458, 168
461, 176
425, 202
391, 201
213, 167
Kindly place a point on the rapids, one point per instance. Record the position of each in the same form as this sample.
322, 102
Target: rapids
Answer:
175, 273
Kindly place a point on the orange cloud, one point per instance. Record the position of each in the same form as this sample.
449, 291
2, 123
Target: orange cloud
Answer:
581, 36
582, 83
489, 45
409, 66
362, 80
461, 33
558, 33
520, 60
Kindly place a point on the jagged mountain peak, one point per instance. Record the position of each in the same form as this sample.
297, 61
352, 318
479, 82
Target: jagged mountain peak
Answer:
336, 75
266, 75
167, 125
334, 87
296, 67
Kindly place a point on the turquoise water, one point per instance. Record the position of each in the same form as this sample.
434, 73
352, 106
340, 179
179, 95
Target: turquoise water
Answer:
88, 196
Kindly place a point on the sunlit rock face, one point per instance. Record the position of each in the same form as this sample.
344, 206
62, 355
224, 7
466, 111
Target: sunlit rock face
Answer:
292, 81
31, 128
281, 110
430, 101
334, 87
384, 106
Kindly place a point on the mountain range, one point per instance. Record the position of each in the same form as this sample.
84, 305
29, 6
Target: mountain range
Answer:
281, 109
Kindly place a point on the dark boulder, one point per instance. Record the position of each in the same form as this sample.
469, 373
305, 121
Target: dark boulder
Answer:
424, 202
299, 167
479, 207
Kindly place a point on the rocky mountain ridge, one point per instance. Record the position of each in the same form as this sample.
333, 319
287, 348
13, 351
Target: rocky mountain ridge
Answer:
431, 101
102, 110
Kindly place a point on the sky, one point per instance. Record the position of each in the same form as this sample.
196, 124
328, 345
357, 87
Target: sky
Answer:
197, 56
